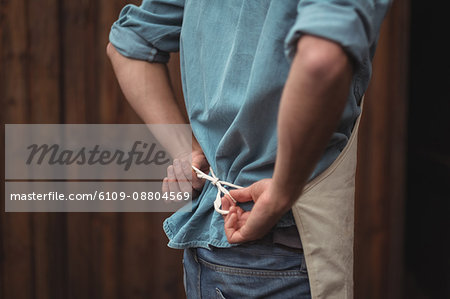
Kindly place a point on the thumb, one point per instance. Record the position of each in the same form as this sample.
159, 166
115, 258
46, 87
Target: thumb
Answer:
242, 195
200, 162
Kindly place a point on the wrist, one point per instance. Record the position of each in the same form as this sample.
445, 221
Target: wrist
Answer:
286, 193
277, 203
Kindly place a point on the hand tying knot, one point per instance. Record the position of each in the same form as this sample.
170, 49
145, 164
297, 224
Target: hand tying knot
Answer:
215, 181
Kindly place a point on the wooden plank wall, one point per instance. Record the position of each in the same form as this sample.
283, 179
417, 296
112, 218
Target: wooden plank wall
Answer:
53, 69
379, 210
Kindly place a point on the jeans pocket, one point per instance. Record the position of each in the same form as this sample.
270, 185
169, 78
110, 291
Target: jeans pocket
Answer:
249, 271
219, 281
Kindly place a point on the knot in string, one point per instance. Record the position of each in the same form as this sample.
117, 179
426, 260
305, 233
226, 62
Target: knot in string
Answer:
215, 181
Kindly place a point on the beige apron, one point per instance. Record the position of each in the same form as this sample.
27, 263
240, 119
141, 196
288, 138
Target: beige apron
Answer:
324, 215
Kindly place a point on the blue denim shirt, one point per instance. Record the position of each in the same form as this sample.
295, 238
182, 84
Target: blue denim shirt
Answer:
235, 58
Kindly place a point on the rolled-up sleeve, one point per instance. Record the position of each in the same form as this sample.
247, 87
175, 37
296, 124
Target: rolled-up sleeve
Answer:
354, 24
150, 31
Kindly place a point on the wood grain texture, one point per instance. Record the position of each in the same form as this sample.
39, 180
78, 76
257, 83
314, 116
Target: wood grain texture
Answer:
53, 69
381, 172
17, 252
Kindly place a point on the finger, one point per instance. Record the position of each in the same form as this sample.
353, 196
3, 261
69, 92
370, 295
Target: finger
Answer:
165, 185
200, 162
242, 195
232, 233
197, 183
230, 224
259, 187
240, 212
183, 183
172, 180
187, 170
227, 203
234, 224
165, 189
241, 217
226, 216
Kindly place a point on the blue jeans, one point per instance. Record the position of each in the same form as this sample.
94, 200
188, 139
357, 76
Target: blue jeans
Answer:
257, 270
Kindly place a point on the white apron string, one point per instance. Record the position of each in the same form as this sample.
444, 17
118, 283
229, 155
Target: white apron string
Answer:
220, 188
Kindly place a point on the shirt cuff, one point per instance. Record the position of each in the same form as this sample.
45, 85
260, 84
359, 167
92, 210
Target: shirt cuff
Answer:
346, 24
131, 45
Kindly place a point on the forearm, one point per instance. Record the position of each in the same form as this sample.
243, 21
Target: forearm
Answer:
147, 88
311, 106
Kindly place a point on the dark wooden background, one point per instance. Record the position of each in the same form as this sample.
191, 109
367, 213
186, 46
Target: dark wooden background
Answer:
53, 69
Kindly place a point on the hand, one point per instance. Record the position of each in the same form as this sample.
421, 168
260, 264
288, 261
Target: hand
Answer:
181, 177
242, 226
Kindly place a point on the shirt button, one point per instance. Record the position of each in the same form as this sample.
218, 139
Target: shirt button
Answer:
153, 51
